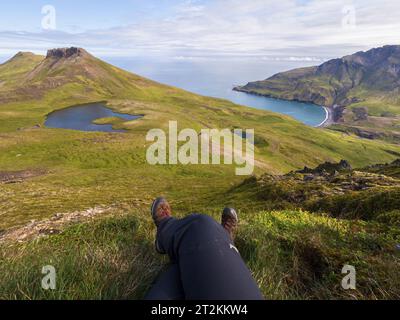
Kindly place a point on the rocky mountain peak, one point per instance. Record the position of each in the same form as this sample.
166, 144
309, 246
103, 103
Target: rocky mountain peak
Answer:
66, 53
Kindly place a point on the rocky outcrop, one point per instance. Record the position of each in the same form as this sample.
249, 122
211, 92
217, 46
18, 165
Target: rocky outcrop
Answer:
389, 169
66, 52
367, 134
360, 114
37, 229
328, 167
337, 113
300, 189
9, 177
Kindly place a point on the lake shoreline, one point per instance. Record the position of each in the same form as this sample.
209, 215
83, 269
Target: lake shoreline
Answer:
83, 117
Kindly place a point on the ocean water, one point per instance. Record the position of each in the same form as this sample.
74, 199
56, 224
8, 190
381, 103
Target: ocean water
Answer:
217, 77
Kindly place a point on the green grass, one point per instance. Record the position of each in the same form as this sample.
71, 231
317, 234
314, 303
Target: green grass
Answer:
292, 255
106, 258
20, 65
85, 169
101, 260
367, 205
350, 195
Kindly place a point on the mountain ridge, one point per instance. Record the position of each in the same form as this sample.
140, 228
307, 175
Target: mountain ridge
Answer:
344, 74
62, 67
366, 82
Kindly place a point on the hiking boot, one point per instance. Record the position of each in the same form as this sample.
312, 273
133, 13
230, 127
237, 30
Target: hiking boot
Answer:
229, 221
160, 210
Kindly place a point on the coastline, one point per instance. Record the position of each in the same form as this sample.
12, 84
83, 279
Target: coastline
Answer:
329, 117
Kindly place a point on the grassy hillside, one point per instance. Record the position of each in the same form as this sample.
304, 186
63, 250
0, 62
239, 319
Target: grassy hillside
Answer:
371, 194
18, 66
292, 254
82, 169
45, 172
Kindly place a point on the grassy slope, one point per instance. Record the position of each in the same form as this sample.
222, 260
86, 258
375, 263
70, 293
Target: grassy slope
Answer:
80, 164
18, 66
293, 255
372, 194
88, 169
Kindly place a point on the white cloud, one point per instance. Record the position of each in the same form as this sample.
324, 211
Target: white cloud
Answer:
295, 59
230, 28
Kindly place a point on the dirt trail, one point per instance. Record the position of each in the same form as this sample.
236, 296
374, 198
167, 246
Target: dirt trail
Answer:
227, 150
54, 225
19, 176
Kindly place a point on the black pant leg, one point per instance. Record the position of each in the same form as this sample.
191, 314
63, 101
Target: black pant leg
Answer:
210, 266
167, 286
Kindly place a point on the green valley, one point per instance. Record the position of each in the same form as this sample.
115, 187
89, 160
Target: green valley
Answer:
294, 245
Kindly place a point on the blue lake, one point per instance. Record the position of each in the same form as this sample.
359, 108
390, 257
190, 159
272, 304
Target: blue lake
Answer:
82, 117
217, 77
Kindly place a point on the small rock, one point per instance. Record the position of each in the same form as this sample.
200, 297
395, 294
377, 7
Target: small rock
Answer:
308, 178
335, 173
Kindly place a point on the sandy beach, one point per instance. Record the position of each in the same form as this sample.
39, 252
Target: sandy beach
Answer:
328, 119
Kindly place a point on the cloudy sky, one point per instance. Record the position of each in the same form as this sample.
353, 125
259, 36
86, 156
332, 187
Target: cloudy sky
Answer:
186, 29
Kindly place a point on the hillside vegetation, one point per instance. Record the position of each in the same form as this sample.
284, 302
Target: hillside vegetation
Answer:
370, 194
51, 178
292, 254
80, 169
